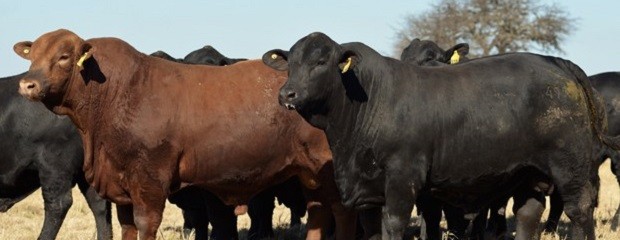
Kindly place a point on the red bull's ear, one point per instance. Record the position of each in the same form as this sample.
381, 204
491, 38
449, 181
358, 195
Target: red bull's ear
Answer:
276, 59
23, 49
85, 54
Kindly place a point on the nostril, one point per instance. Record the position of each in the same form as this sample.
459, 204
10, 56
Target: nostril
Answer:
291, 95
30, 85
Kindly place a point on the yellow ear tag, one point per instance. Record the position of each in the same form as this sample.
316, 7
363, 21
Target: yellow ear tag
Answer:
80, 62
274, 56
455, 58
346, 66
27, 50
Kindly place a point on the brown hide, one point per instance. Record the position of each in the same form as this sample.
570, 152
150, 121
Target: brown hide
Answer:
151, 125
172, 125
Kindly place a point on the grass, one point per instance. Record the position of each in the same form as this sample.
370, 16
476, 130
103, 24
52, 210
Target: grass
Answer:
25, 219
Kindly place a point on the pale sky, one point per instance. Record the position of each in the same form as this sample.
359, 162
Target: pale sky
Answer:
247, 29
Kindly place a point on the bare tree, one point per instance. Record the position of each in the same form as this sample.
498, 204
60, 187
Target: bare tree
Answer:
490, 26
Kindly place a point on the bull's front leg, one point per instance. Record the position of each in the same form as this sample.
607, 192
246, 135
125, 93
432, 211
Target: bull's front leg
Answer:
402, 186
148, 208
125, 218
143, 216
56, 189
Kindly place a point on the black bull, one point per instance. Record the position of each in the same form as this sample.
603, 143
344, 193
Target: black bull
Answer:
428, 53
472, 133
40, 149
608, 85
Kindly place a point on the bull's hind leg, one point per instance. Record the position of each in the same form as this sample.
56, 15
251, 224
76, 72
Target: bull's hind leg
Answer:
455, 217
557, 208
496, 225
430, 209
615, 168
370, 220
579, 200
616, 218
319, 218
222, 217
260, 209
528, 208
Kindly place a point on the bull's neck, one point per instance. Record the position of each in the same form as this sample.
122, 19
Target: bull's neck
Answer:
354, 104
94, 89
74, 102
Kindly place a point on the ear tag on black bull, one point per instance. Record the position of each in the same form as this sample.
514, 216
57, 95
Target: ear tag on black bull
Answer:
347, 65
455, 58
274, 56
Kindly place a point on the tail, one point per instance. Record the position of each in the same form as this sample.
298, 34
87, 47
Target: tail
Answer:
595, 121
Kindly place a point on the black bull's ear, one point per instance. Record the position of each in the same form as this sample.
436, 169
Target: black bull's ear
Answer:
462, 49
276, 59
348, 60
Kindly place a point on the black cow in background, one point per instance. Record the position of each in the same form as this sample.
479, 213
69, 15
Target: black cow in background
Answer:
428, 53
207, 55
608, 86
200, 207
41, 149
470, 134
164, 55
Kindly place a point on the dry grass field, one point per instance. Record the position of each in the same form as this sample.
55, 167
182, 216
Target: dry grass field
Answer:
24, 220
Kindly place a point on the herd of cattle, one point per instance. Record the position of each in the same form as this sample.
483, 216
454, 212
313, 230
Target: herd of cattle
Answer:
434, 129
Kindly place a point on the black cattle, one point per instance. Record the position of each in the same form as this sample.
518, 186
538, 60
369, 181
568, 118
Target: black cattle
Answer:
41, 149
207, 55
469, 134
608, 86
195, 202
164, 55
428, 53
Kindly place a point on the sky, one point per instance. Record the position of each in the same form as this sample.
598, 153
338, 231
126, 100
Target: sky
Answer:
247, 29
